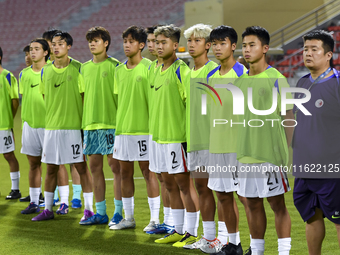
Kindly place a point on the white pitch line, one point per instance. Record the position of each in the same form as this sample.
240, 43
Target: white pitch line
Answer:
111, 179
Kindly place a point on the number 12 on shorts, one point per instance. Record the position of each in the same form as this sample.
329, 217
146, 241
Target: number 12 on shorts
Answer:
76, 150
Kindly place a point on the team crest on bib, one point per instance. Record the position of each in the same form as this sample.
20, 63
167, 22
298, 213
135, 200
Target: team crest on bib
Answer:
139, 78
69, 77
319, 103
104, 74
262, 91
167, 81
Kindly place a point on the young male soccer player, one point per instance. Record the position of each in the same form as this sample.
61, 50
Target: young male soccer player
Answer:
167, 113
33, 118
132, 141
167, 225
9, 104
224, 39
198, 43
28, 59
99, 121
63, 185
261, 150
63, 142
315, 143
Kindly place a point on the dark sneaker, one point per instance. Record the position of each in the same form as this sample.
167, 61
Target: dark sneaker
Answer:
45, 215
248, 252
63, 209
230, 249
95, 219
41, 199
31, 208
14, 194
25, 199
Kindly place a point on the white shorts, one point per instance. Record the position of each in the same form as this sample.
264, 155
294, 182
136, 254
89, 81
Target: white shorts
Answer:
131, 148
197, 159
223, 173
32, 140
261, 180
6, 141
62, 147
169, 157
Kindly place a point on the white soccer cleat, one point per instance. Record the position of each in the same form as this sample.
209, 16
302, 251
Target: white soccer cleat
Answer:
207, 246
123, 224
151, 226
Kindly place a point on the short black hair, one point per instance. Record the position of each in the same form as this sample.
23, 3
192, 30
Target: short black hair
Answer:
26, 49
322, 35
222, 32
44, 44
48, 35
64, 36
260, 32
100, 32
137, 33
0, 55
151, 30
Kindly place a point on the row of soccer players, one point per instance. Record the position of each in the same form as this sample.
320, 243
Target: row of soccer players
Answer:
166, 152
149, 125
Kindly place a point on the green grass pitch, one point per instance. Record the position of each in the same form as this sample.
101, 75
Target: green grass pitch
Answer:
63, 235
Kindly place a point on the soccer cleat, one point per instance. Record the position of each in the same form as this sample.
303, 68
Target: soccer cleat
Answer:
55, 202
248, 252
230, 249
87, 214
187, 239
115, 219
25, 199
161, 229
123, 224
95, 219
31, 208
170, 238
14, 194
63, 209
45, 215
152, 225
207, 246
76, 203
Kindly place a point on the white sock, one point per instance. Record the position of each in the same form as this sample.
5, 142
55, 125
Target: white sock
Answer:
41, 185
222, 232
257, 246
238, 239
167, 215
191, 222
232, 238
49, 200
34, 195
209, 230
64, 192
171, 218
154, 205
284, 245
185, 224
128, 206
197, 224
88, 200
178, 217
15, 177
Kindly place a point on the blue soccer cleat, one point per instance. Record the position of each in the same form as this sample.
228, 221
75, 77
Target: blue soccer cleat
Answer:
32, 208
76, 203
115, 219
95, 219
63, 209
161, 229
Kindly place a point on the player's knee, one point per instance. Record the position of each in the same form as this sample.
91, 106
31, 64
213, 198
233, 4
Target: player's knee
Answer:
254, 204
278, 205
202, 189
10, 157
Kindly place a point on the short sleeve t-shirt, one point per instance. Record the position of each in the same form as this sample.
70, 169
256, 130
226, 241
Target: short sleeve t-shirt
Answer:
267, 142
223, 137
197, 127
63, 101
100, 102
8, 91
132, 87
167, 110
32, 105
316, 137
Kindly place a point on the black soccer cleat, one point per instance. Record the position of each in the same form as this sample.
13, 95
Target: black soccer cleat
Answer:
230, 249
248, 252
14, 194
41, 199
25, 199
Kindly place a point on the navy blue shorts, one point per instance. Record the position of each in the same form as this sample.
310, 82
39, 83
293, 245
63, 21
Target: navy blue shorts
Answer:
321, 193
